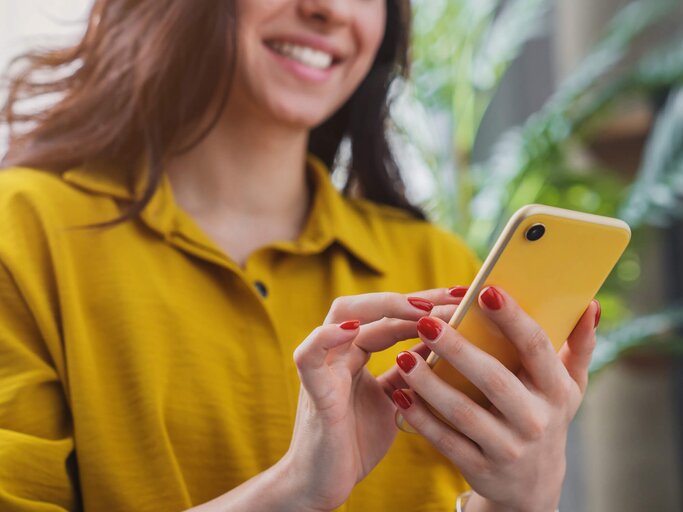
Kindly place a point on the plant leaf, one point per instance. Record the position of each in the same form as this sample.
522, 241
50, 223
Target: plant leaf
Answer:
662, 166
635, 333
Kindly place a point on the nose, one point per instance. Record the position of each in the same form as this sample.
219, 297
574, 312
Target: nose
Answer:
327, 12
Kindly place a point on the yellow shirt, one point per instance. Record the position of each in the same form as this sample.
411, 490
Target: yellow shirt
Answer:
141, 369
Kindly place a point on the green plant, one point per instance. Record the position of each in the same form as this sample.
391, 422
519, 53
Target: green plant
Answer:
461, 57
461, 50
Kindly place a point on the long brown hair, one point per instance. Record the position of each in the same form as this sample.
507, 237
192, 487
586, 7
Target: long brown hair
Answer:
139, 84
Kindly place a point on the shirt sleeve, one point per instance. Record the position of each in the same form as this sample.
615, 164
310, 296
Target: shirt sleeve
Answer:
37, 458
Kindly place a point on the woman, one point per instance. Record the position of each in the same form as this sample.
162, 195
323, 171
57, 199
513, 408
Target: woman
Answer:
171, 241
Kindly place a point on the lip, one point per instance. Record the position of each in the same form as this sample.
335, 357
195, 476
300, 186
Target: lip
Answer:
315, 42
301, 71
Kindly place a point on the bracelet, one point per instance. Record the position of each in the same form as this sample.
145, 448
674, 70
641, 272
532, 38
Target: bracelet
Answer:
465, 497
462, 501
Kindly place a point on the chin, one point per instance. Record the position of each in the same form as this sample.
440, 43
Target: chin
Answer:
305, 116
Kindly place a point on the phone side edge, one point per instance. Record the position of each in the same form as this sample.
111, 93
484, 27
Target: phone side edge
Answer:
484, 272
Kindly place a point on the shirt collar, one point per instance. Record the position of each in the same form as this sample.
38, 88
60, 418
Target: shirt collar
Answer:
332, 216
101, 180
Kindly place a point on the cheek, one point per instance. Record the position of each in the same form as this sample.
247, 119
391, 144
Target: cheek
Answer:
369, 34
376, 29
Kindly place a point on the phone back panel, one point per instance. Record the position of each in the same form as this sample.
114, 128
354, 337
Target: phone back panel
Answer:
553, 279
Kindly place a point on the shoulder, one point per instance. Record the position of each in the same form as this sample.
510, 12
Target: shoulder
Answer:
31, 194
34, 188
23, 181
28, 198
411, 243
37, 211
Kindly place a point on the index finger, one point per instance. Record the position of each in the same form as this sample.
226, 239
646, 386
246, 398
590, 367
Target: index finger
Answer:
370, 307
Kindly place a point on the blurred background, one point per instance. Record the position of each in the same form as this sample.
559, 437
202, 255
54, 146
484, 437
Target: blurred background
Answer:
572, 103
577, 104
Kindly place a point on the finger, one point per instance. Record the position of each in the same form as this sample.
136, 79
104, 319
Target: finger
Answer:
460, 450
311, 356
378, 336
455, 407
536, 352
370, 307
503, 388
446, 312
382, 334
391, 380
576, 354
443, 295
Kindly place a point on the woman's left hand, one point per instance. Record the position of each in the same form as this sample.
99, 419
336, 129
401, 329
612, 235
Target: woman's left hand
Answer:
512, 454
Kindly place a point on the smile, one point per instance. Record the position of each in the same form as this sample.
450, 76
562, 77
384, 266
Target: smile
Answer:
305, 55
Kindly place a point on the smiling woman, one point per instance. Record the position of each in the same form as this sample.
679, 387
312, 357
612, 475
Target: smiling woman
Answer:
188, 305
311, 74
185, 55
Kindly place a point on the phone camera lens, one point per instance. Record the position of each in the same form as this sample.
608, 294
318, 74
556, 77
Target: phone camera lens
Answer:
535, 232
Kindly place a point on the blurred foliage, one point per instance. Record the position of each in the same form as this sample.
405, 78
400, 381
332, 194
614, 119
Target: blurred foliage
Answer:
462, 50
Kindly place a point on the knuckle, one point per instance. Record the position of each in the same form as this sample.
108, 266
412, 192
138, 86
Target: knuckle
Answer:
481, 467
496, 383
419, 422
565, 389
398, 329
465, 413
393, 324
445, 313
339, 305
302, 353
591, 343
511, 452
299, 356
446, 444
537, 342
536, 428
394, 301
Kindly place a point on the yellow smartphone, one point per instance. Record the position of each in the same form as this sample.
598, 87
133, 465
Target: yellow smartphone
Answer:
552, 261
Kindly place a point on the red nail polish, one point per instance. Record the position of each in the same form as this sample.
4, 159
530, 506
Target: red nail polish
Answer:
458, 291
492, 298
406, 361
401, 399
422, 304
597, 313
350, 325
429, 327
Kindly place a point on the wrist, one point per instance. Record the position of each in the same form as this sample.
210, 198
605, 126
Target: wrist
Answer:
285, 478
275, 490
477, 503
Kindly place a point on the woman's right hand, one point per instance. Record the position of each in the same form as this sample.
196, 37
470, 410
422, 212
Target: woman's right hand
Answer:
345, 418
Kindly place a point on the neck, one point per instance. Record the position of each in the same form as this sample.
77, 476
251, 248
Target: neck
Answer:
247, 167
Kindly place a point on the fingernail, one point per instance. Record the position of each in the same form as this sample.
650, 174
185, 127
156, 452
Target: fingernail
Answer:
406, 361
429, 327
458, 291
492, 298
422, 304
597, 313
401, 399
350, 325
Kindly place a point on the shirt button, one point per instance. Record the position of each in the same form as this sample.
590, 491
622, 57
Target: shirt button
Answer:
261, 288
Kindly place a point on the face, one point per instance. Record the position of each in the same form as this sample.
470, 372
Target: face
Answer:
298, 61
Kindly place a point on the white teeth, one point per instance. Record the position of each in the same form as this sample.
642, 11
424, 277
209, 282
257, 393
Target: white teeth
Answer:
304, 54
